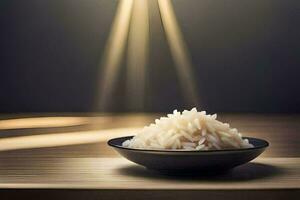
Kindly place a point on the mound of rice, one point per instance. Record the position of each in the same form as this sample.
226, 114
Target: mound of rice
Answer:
189, 130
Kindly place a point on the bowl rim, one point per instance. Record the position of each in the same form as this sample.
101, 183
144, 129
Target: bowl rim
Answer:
110, 143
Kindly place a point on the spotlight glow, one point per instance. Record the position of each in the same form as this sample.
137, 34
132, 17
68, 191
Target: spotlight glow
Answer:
179, 52
132, 22
138, 49
114, 52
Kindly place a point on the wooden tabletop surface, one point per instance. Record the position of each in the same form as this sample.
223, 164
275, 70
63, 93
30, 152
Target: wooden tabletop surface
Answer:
65, 155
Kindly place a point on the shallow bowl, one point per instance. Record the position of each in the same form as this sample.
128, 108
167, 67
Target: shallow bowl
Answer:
174, 160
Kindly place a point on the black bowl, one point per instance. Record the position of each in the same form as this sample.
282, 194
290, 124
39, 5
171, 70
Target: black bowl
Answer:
176, 160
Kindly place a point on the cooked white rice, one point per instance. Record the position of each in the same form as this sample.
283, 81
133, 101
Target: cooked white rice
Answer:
189, 130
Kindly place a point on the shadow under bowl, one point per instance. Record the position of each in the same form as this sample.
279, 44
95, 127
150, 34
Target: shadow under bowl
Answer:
182, 160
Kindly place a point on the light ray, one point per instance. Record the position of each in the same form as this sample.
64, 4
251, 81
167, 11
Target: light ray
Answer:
138, 49
62, 139
114, 52
42, 122
179, 52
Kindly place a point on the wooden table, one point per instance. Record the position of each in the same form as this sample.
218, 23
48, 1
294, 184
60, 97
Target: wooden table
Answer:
65, 156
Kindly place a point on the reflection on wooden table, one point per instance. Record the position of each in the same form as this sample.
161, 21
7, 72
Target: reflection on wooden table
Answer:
70, 151
87, 135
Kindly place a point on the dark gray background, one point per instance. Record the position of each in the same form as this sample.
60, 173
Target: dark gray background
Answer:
245, 53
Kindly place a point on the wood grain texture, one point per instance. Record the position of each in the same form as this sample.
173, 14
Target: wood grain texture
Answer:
118, 173
91, 194
36, 152
282, 131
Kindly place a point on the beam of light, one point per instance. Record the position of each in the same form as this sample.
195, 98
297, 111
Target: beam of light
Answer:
42, 122
62, 139
114, 52
179, 52
138, 44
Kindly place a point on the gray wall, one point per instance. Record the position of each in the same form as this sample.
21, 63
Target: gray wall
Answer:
246, 55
